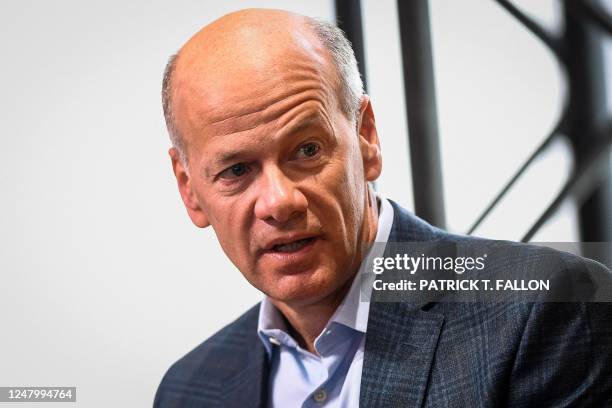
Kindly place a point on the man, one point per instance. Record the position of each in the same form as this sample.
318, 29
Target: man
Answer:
274, 146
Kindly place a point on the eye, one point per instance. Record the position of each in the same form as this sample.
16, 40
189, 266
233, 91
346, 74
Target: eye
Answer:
235, 171
308, 149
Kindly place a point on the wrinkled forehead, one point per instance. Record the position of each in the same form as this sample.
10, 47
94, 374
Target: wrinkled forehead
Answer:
227, 70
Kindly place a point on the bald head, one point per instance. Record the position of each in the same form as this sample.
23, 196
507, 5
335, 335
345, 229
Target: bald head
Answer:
254, 50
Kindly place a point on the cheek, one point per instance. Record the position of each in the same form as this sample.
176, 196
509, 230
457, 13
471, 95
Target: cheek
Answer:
355, 181
346, 186
230, 219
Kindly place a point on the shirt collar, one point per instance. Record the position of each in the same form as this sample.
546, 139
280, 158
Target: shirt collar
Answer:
352, 312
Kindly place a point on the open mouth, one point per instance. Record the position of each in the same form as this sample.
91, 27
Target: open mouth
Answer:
292, 246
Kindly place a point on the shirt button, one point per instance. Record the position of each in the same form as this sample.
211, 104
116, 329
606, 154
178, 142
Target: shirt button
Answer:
275, 341
320, 396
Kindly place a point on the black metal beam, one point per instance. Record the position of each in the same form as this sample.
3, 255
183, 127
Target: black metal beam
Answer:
588, 116
419, 87
348, 18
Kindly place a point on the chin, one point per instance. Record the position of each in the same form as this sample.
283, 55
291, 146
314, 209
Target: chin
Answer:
300, 289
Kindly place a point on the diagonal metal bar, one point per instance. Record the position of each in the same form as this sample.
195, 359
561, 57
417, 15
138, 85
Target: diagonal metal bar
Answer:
553, 134
595, 13
549, 40
580, 184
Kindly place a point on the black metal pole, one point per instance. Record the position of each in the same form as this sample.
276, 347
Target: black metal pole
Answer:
587, 117
421, 110
348, 18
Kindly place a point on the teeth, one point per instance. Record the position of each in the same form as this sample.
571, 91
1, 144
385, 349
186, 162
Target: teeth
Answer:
293, 246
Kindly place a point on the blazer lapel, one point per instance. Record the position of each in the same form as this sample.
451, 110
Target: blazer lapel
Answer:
248, 386
401, 338
399, 348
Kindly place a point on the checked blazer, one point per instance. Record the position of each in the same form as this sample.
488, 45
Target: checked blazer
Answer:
435, 354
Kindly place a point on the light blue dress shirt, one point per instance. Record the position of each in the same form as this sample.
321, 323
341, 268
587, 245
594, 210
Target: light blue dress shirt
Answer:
299, 378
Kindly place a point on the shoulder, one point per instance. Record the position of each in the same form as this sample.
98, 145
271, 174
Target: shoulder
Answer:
205, 367
522, 349
221, 349
407, 228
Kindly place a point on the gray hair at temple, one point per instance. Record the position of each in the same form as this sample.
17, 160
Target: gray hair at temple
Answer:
332, 38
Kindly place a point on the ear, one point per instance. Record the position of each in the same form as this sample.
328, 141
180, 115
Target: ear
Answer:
368, 140
195, 211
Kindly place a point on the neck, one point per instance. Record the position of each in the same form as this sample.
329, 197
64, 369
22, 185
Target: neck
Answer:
306, 322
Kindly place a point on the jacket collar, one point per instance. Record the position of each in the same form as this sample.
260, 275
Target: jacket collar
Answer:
401, 338
248, 386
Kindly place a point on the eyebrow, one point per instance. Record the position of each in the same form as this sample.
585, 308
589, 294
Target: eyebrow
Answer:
230, 157
224, 159
309, 122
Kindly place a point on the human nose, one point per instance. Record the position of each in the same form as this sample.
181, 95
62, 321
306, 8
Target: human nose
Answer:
278, 198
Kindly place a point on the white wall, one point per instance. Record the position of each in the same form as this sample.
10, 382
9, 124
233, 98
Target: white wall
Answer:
105, 280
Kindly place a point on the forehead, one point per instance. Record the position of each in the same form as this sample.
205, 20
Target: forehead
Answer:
220, 88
